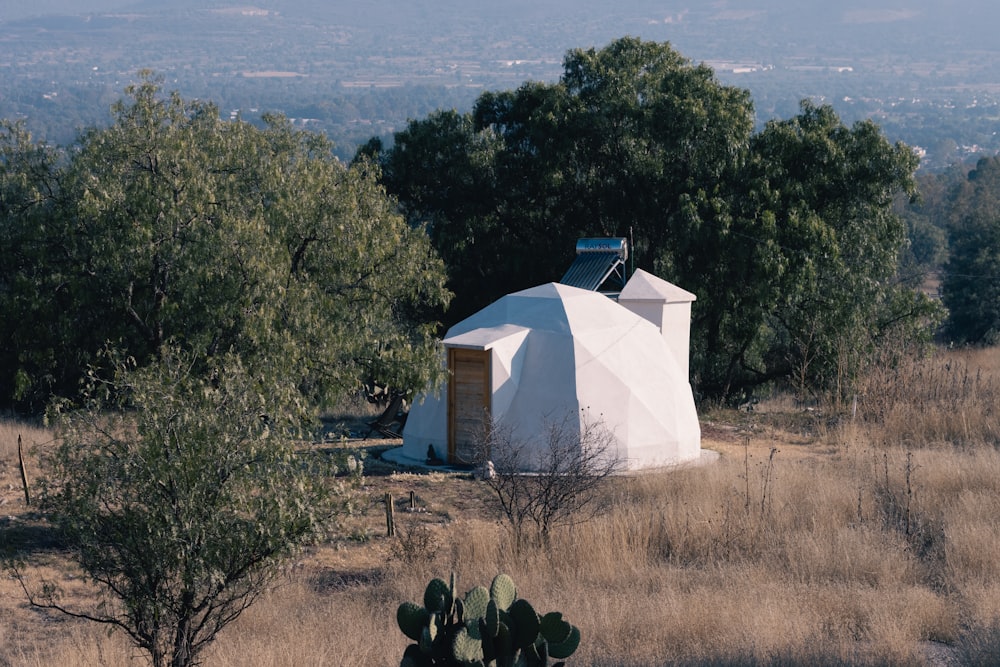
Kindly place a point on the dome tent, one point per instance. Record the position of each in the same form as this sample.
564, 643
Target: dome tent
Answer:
553, 352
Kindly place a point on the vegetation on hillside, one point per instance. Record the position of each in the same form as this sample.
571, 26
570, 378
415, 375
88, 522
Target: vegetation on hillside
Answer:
971, 286
954, 232
185, 292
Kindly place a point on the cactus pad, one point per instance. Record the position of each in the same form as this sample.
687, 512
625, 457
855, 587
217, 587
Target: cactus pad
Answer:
411, 619
565, 649
554, 628
475, 603
437, 597
492, 618
484, 628
466, 648
503, 591
524, 623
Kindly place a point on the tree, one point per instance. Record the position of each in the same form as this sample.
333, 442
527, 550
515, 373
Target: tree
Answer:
971, 286
179, 501
441, 170
172, 226
632, 139
28, 189
553, 482
786, 236
926, 218
816, 206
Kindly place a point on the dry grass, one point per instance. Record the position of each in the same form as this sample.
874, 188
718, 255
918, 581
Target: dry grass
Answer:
949, 399
857, 542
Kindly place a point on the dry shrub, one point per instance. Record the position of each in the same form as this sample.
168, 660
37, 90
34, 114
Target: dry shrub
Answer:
33, 438
716, 579
67, 644
949, 398
31, 434
739, 615
691, 517
479, 549
979, 602
682, 570
895, 617
978, 643
973, 539
415, 542
848, 556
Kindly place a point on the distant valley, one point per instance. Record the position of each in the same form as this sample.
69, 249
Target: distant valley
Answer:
926, 70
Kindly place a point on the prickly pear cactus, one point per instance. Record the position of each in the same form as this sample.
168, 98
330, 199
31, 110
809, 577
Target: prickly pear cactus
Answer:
485, 628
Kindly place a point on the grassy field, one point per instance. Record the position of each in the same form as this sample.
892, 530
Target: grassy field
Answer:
869, 537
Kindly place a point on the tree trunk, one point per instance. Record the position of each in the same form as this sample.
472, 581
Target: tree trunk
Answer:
182, 654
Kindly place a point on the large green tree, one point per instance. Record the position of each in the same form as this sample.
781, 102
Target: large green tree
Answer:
817, 201
442, 171
971, 286
172, 225
786, 236
633, 140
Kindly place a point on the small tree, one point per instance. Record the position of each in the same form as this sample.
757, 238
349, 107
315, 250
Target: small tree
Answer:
552, 482
180, 501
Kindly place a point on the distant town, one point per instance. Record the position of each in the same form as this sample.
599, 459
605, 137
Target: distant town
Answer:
354, 74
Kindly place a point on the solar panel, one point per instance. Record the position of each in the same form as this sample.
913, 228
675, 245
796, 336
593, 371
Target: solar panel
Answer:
591, 269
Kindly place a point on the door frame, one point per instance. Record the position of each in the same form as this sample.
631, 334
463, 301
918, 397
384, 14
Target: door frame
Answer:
456, 354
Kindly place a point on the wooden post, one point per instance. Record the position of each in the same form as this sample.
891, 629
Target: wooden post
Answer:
413, 501
390, 519
24, 473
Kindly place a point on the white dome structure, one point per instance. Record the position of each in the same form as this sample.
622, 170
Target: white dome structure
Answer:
554, 352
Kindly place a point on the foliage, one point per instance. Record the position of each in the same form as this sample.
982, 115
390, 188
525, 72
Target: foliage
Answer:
926, 218
824, 280
415, 543
172, 225
31, 325
787, 236
557, 484
440, 168
971, 286
626, 137
488, 628
180, 500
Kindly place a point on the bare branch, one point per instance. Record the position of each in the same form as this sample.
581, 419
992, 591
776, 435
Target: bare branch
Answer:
552, 481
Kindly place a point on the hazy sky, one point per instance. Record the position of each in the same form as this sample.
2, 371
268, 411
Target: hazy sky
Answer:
912, 27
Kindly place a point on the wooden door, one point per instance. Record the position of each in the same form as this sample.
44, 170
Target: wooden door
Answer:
468, 402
